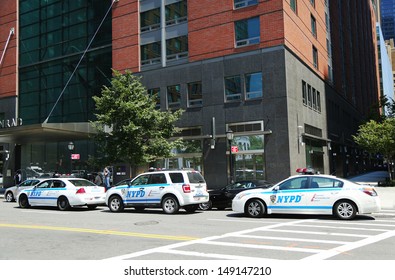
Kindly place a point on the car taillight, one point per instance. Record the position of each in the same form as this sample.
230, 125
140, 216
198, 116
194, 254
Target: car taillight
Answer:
80, 191
186, 188
370, 191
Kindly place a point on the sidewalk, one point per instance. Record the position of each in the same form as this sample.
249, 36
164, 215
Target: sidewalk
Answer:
386, 194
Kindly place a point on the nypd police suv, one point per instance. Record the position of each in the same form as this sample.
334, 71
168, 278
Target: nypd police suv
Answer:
168, 189
309, 194
63, 193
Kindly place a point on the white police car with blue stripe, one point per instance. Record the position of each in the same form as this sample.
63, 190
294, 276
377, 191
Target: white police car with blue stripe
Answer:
63, 193
309, 194
168, 189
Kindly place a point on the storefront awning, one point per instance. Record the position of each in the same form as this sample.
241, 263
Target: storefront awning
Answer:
46, 132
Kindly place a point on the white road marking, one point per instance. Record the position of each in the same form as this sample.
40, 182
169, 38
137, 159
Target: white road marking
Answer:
348, 247
164, 249
295, 239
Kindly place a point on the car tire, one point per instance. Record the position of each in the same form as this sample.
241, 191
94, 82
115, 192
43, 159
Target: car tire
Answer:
115, 204
9, 196
206, 206
170, 205
23, 201
63, 203
345, 210
255, 208
191, 208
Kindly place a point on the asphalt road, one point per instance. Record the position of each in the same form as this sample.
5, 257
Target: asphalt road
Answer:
82, 234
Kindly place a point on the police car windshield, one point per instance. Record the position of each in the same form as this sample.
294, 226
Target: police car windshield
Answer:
81, 183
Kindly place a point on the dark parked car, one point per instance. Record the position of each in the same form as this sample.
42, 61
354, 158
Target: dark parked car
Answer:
222, 198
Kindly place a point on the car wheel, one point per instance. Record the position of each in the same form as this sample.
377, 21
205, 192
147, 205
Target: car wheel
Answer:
255, 208
9, 197
63, 203
23, 201
206, 206
191, 208
115, 204
345, 210
170, 205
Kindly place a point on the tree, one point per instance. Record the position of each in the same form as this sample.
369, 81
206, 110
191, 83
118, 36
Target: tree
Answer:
129, 128
378, 137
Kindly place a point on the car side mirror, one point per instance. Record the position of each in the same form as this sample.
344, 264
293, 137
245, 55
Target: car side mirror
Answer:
129, 183
276, 188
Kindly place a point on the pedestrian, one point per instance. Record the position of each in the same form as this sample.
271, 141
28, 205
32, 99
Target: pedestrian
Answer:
18, 177
106, 174
98, 179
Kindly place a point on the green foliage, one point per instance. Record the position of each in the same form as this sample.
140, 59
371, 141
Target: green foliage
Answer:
377, 137
129, 127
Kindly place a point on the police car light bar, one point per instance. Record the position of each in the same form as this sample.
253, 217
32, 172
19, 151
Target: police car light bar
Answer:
305, 171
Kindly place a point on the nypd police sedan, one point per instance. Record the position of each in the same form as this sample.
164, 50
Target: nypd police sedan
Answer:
309, 194
63, 193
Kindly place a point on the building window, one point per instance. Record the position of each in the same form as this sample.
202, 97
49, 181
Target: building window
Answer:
177, 48
195, 96
314, 95
150, 53
304, 92
253, 85
315, 57
150, 20
173, 96
312, 2
176, 13
247, 32
309, 97
313, 26
233, 88
244, 3
155, 94
318, 101
293, 5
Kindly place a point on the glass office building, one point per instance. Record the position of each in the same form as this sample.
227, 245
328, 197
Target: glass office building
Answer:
56, 84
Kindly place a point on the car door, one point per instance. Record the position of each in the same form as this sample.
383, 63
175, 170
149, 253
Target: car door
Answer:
57, 188
156, 188
136, 193
322, 194
40, 194
289, 196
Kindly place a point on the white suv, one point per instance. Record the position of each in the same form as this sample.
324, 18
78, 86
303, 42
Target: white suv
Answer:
168, 189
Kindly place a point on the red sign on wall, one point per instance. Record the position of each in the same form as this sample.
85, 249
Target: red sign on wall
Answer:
234, 149
75, 156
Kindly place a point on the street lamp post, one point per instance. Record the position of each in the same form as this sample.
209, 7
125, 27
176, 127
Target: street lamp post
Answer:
229, 136
70, 146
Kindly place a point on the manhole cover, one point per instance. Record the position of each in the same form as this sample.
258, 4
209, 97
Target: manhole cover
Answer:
146, 223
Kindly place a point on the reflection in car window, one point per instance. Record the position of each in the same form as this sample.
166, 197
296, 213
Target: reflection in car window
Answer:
44, 185
81, 183
142, 180
295, 183
321, 182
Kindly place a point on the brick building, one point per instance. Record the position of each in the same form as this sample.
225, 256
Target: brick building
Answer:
288, 78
